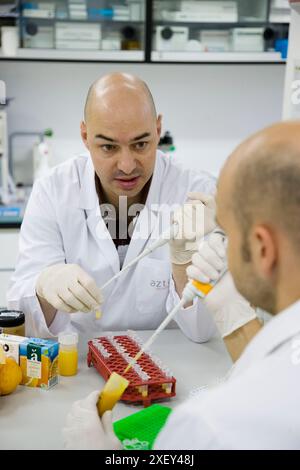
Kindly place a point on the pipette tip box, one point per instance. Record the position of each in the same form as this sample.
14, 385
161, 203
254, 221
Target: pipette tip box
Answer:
149, 380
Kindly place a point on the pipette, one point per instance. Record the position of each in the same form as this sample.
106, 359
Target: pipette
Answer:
191, 290
167, 235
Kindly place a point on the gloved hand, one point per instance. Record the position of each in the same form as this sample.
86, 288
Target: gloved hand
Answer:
69, 288
84, 429
229, 309
195, 219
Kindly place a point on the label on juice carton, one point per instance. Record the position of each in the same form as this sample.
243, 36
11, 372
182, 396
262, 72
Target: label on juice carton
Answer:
10, 345
34, 361
39, 363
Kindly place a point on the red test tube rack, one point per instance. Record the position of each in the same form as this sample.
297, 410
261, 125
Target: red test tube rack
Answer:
149, 380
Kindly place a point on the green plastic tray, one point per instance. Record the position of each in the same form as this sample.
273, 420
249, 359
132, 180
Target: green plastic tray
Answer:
139, 430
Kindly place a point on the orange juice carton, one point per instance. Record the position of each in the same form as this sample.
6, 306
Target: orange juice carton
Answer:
11, 344
39, 362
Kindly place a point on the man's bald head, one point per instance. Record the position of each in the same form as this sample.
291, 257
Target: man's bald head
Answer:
264, 175
117, 84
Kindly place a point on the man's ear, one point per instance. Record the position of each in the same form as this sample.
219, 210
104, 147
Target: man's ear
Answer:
265, 250
159, 126
83, 131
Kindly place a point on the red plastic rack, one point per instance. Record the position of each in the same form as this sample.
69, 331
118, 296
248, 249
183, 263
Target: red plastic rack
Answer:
159, 386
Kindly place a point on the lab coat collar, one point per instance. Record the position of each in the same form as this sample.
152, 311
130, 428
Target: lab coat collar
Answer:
88, 198
276, 332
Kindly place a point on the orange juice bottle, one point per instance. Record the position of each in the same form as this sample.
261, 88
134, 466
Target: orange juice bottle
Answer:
68, 354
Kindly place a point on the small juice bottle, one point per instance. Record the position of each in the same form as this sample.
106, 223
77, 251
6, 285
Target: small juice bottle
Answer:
68, 354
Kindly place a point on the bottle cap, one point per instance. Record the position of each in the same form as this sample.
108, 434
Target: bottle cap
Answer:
68, 339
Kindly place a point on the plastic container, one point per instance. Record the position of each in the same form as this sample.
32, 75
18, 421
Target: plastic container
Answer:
68, 354
12, 322
9, 40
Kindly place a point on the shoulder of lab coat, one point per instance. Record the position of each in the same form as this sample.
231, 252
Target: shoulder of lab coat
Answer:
184, 180
257, 407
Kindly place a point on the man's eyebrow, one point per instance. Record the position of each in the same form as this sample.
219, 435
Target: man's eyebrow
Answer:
135, 139
101, 136
142, 136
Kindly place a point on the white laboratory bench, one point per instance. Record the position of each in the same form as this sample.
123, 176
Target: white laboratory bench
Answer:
33, 418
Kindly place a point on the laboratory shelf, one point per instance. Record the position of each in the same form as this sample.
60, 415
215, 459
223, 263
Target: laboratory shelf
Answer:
217, 57
219, 25
81, 20
146, 38
76, 55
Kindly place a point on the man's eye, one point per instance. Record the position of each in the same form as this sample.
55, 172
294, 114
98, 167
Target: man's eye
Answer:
108, 147
140, 145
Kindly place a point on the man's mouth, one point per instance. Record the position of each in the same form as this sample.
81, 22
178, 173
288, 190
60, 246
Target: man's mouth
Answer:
127, 183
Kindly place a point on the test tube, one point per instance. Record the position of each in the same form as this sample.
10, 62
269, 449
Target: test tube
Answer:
167, 387
111, 393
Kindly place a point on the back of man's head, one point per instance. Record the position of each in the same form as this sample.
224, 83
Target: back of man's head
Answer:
266, 180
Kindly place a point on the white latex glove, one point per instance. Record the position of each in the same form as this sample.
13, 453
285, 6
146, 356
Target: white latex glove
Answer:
84, 429
67, 287
229, 309
195, 219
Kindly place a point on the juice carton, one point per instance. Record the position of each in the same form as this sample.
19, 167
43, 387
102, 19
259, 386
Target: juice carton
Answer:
39, 362
10, 345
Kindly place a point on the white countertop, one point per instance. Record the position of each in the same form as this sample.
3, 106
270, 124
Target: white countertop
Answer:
33, 418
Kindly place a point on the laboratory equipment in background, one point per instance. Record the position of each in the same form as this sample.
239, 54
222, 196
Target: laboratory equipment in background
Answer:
68, 354
7, 186
9, 40
91, 25
77, 36
4, 157
171, 38
208, 26
42, 156
291, 104
166, 143
149, 381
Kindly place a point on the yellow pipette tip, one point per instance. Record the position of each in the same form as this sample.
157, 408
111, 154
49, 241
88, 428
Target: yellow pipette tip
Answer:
111, 393
204, 288
98, 314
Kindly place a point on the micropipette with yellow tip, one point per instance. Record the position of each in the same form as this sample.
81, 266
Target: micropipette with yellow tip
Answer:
192, 289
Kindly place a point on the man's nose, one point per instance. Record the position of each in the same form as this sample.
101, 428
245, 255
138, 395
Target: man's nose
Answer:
126, 162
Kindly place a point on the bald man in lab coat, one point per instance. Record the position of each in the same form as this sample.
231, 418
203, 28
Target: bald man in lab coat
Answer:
257, 406
95, 213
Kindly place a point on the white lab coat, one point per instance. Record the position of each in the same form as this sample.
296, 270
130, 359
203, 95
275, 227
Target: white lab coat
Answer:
63, 223
257, 407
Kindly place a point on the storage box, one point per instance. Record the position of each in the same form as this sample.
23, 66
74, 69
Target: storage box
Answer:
173, 38
39, 362
215, 40
247, 40
78, 45
43, 39
77, 31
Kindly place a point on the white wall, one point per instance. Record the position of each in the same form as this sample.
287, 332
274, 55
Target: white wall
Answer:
208, 108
